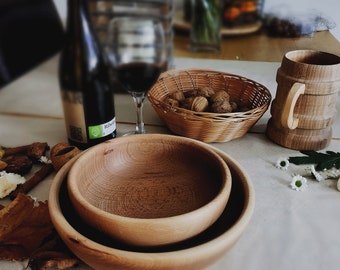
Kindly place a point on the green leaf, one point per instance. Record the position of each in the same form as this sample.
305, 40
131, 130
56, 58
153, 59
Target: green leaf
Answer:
302, 160
328, 164
323, 161
309, 152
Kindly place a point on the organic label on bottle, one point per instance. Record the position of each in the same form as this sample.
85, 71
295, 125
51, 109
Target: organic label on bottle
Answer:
74, 116
102, 130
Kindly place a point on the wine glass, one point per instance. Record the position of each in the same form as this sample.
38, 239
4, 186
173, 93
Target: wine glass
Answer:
137, 54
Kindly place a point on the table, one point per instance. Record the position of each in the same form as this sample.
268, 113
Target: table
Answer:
289, 229
259, 46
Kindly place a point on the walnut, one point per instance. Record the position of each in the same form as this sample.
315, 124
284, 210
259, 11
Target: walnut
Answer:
199, 104
234, 106
206, 91
172, 102
177, 95
186, 103
220, 96
191, 93
221, 107
206, 99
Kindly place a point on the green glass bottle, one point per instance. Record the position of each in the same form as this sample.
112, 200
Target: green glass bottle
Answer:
86, 90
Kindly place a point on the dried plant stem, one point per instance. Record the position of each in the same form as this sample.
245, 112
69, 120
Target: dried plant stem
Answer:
39, 176
17, 150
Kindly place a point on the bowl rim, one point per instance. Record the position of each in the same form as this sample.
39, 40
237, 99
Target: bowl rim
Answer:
222, 195
205, 249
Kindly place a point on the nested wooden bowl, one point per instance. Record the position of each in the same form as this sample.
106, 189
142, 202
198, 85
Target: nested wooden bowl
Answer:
208, 126
150, 190
101, 252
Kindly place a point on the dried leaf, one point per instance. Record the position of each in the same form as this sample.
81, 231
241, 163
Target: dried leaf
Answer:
18, 164
52, 259
24, 224
53, 253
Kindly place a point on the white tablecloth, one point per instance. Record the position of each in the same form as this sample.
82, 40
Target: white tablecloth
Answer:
289, 229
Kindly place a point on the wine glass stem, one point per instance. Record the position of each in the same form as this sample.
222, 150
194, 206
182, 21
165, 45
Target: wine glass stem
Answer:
138, 98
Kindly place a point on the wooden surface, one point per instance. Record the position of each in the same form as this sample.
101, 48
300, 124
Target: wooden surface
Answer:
258, 46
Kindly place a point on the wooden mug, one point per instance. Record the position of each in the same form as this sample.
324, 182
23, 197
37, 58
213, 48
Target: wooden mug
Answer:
304, 107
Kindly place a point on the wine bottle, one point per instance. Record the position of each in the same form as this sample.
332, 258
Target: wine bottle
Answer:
86, 90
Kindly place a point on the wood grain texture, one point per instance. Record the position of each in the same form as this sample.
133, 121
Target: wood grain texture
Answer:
304, 107
150, 190
101, 252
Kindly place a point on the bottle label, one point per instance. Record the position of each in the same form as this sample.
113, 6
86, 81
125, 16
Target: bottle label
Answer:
102, 130
75, 119
74, 115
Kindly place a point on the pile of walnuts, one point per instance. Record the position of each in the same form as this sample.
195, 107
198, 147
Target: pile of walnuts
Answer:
205, 99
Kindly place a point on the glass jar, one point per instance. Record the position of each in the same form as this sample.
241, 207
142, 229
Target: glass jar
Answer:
235, 13
205, 34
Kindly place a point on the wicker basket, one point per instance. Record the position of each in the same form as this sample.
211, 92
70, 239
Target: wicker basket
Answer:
207, 126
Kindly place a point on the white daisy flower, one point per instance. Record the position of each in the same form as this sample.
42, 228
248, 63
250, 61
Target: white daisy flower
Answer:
316, 174
299, 183
331, 173
282, 163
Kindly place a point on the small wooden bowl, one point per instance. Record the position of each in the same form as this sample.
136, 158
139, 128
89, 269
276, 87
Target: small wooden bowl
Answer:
101, 252
150, 190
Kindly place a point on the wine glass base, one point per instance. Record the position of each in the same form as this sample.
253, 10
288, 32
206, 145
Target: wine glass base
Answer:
131, 133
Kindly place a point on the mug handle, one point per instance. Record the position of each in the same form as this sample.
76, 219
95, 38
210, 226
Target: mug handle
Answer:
287, 116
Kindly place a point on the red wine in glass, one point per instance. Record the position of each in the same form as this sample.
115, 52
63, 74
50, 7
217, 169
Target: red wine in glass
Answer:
138, 76
136, 50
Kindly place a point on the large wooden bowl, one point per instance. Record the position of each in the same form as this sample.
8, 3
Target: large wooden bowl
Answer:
150, 190
101, 252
